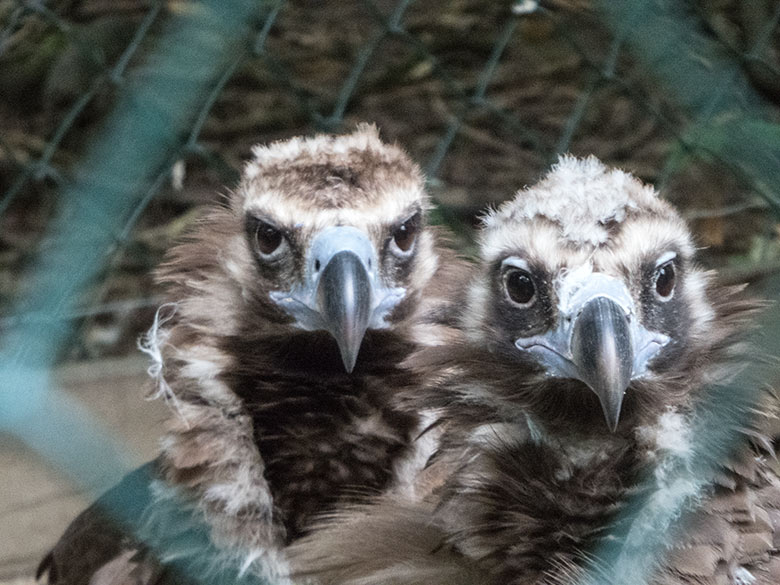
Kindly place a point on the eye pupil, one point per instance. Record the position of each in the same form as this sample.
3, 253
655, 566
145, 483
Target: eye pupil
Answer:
405, 234
268, 238
664, 280
520, 286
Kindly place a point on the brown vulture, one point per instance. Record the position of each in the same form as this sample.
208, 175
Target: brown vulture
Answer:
570, 405
290, 308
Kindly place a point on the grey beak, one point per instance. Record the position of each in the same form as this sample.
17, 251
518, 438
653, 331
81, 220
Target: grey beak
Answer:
340, 290
603, 354
344, 301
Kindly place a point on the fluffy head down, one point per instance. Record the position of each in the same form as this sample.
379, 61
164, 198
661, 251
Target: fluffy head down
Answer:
583, 198
347, 179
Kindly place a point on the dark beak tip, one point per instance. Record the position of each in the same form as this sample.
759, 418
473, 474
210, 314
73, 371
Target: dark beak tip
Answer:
612, 422
603, 354
344, 300
349, 356
611, 404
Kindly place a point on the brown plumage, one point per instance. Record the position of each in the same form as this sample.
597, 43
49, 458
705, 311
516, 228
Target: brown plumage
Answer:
590, 344
321, 251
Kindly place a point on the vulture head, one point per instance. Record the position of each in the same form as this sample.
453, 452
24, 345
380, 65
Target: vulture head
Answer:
588, 281
322, 234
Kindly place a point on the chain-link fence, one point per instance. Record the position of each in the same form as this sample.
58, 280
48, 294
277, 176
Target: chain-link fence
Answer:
118, 117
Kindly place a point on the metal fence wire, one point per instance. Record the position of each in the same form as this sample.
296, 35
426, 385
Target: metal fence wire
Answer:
108, 108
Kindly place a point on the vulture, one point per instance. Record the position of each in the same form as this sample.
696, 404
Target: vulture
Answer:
590, 342
290, 309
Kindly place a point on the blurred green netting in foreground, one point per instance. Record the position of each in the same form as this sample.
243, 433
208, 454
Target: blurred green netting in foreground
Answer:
116, 117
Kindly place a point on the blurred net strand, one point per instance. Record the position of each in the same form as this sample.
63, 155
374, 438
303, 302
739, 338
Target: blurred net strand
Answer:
85, 48
476, 99
759, 48
258, 47
104, 308
604, 73
59, 308
743, 107
42, 167
717, 423
191, 145
715, 106
122, 159
392, 26
13, 22
687, 145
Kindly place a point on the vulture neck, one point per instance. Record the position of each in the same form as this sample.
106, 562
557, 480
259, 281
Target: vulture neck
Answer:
547, 482
325, 435
528, 502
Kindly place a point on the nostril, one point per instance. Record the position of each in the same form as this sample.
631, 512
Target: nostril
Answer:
316, 265
369, 263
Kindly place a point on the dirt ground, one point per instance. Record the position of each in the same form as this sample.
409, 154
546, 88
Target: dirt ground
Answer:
36, 501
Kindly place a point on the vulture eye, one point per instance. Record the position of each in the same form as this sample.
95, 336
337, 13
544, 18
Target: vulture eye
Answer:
405, 234
520, 287
664, 280
268, 238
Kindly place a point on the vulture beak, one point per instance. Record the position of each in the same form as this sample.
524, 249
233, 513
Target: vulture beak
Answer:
341, 292
598, 340
344, 301
602, 353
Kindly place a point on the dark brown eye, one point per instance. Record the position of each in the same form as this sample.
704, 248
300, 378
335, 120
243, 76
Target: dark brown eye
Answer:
664, 280
519, 286
267, 237
405, 234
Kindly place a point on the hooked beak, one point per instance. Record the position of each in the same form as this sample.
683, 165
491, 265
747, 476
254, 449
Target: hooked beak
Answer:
598, 340
340, 291
603, 354
344, 301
